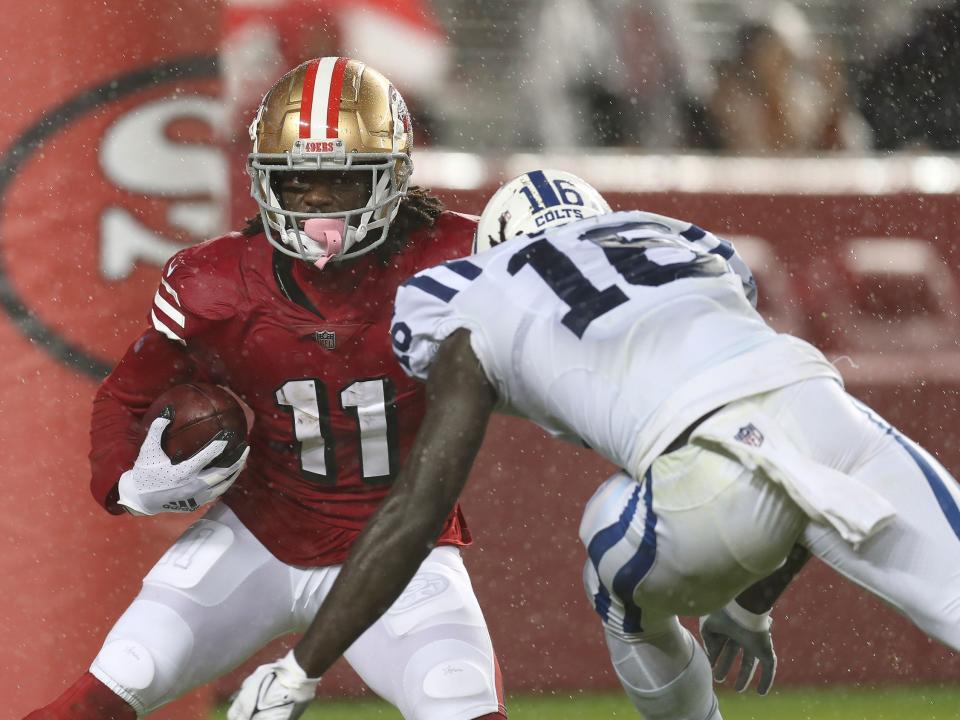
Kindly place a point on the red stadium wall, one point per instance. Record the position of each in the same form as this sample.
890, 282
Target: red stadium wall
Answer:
95, 95
110, 163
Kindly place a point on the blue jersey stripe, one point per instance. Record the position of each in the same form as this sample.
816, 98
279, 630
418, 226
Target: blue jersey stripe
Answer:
464, 268
432, 287
601, 601
630, 575
948, 505
544, 189
638, 566
612, 534
632, 616
724, 249
693, 233
944, 499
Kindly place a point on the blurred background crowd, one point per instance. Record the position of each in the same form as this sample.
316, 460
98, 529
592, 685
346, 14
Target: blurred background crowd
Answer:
732, 76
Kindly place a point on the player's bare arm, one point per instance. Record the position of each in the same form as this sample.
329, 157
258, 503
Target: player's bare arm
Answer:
741, 630
387, 554
761, 597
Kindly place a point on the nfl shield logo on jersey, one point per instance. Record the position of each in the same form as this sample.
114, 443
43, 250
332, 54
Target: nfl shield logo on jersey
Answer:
749, 434
327, 338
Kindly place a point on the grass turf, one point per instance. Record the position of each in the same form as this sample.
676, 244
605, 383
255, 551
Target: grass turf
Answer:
833, 703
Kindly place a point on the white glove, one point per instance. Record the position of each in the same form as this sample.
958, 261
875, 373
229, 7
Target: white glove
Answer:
155, 485
732, 630
278, 691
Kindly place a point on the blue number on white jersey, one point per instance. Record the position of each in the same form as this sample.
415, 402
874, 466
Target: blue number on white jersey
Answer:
651, 265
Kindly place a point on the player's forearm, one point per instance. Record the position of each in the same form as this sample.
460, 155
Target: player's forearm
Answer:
760, 597
113, 449
381, 564
388, 553
150, 366
401, 534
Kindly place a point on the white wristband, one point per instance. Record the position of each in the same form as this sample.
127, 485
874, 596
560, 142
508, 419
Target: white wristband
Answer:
747, 619
291, 675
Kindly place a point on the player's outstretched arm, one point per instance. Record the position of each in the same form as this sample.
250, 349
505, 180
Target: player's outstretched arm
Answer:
401, 534
742, 628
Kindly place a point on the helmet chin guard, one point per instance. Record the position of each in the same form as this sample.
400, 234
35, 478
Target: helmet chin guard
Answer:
331, 114
370, 223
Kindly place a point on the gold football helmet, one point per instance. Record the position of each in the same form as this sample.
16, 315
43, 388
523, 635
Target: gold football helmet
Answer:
331, 113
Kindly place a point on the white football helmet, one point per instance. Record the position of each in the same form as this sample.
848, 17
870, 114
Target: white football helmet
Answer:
331, 113
534, 201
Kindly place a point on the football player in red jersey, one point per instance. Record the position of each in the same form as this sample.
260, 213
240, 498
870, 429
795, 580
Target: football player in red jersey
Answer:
292, 314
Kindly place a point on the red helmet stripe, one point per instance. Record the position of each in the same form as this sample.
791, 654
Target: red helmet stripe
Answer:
306, 99
333, 104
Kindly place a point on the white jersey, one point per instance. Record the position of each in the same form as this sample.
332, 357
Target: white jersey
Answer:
618, 331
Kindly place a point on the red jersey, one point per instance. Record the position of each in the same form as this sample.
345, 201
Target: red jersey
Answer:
309, 352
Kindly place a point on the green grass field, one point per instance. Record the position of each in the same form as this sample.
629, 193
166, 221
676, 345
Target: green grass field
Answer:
896, 703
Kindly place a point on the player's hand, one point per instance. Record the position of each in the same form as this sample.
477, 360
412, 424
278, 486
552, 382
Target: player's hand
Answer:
278, 691
733, 631
155, 485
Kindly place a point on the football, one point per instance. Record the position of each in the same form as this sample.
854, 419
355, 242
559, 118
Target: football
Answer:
200, 411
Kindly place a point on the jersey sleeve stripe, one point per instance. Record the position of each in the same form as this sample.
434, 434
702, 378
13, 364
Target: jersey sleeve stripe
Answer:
724, 249
169, 310
708, 241
169, 289
163, 329
432, 287
464, 268
446, 276
693, 233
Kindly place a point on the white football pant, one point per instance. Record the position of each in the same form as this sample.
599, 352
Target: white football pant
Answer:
218, 595
700, 527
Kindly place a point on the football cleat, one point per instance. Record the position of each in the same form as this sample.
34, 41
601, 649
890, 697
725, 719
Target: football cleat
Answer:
331, 114
535, 201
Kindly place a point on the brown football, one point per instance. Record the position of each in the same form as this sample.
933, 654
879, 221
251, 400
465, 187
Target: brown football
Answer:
200, 411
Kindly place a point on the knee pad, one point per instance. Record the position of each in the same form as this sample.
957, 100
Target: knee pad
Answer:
126, 667
140, 659
443, 664
667, 676
454, 681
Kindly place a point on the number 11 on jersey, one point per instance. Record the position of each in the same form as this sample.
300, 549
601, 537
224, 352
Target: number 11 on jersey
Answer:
370, 403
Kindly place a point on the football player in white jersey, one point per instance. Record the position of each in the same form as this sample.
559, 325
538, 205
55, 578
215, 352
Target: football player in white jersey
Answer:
741, 452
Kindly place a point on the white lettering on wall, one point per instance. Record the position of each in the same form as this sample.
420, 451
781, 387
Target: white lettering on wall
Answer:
138, 155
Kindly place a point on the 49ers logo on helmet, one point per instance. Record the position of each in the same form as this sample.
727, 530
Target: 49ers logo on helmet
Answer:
318, 146
96, 196
301, 147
